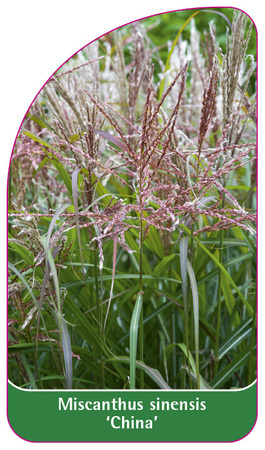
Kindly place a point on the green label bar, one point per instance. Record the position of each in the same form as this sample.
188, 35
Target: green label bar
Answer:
132, 416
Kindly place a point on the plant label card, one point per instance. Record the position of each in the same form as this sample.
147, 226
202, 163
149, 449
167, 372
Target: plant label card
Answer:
132, 211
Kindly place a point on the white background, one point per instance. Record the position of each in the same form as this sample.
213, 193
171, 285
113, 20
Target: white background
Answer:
36, 38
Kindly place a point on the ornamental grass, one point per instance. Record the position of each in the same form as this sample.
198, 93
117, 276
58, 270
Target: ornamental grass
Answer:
132, 212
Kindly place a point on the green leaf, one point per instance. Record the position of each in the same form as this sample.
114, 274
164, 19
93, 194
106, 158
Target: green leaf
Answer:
39, 140
224, 271
164, 264
39, 121
239, 361
75, 201
101, 190
28, 257
24, 281
154, 243
124, 298
28, 347
135, 247
133, 338
231, 281
67, 352
65, 176
230, 301
195, 299
183, 247
154, 374
167, 66
250, 243
64, 336
242, 332
203, 383
114, 258
60, 169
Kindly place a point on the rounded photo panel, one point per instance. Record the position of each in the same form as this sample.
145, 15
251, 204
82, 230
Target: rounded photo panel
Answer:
132, 238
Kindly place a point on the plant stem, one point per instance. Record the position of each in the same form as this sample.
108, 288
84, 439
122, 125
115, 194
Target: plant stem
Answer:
141, 346
141, 244
97, 286
141, 320
185, 293
190, 346
99, 314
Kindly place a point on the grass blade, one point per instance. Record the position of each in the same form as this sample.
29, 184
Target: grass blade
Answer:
224, 271
115, 243
154, 374
202, 383
66, 343
231, 281
24, 281
239, 361
53, 222
27, 286
133, 338
242, 332
115, 140
195, 299
75, 201
39, 140
183, 248
167, 66
64, 335
164, 264
161, 89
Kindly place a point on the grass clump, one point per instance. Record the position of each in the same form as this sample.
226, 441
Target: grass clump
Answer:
132, 212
